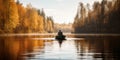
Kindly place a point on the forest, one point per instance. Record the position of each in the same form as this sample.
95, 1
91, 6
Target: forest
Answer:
15, 18
104, 17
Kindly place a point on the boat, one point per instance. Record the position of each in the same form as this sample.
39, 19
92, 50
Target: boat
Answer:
60, 37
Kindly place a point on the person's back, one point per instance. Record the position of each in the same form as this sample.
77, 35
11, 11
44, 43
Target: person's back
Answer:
60, 33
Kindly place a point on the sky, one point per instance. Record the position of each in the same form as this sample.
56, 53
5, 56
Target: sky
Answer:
62, 11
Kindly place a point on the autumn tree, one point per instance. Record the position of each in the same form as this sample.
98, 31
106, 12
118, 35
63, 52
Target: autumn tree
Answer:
22, 18
12, 19
33, 18
50, 24
41, 22
2, 16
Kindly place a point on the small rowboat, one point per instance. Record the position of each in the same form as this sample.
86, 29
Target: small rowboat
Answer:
60, 37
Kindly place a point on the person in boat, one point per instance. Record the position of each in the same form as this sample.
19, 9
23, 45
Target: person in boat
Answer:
60, 33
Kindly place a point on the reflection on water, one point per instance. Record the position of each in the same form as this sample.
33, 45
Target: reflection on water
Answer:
33, 48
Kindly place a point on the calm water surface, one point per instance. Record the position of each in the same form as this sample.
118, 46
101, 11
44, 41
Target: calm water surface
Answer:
45, 47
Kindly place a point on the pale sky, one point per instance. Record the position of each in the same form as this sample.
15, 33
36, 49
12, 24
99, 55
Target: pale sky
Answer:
63, 11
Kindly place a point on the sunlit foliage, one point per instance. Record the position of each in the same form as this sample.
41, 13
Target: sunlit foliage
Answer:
15, 18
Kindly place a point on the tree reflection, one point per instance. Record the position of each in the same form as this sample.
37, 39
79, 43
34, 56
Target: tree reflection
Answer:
16, 48
103, 48
13, 48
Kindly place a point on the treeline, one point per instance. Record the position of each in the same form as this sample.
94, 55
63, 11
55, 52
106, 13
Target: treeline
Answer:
66, 28
104, 17
15, 18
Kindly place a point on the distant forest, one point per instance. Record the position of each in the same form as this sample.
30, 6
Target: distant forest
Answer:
104, 17
15, 18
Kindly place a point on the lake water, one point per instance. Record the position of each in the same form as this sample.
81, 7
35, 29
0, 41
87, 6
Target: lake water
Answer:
45, 47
